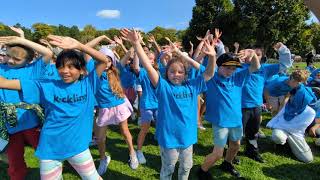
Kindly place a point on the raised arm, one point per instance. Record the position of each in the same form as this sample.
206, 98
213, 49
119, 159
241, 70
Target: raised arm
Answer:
45, 52
94, 42
152, 40
18, 31
124, 60
211, 53
251, 55
191, 49
120, 42
133, 37
184, 56
9, 84
70, 43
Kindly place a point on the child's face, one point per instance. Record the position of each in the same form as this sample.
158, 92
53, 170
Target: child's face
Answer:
226, 71
317, 76
151, 58
17, 57
176, 73
69, 73
109, 63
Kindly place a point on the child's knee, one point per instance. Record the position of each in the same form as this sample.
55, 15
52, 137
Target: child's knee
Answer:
278, 137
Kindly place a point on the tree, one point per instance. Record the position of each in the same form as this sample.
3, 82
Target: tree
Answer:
270, 21
41, 30
204, 17
160, 33
89, 32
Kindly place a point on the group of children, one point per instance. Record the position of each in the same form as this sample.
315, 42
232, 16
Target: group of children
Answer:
71, 81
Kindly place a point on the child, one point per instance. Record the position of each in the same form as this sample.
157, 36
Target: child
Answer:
20, 53
114, 108
148, 104
176, 125
224, 109
68, 105
290, 123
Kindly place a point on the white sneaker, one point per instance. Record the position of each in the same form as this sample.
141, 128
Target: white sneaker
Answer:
140, 156
201, 127
133, 162
104, 165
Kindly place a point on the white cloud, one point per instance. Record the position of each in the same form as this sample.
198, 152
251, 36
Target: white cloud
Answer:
108, 14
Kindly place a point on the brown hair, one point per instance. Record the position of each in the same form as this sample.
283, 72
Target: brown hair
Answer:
21, 52
299, 75
114, 81
177, 60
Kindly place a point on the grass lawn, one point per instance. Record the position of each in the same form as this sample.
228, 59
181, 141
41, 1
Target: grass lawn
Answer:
278, 165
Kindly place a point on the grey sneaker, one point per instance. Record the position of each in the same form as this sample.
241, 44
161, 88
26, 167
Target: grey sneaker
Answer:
140, 156
261, 134
103, 165
133, 162
201, 127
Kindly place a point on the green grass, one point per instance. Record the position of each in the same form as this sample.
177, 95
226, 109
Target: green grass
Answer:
279, 165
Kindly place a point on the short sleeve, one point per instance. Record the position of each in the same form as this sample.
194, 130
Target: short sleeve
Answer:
31, 91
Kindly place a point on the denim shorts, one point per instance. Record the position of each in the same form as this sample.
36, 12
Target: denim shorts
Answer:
221, 135
148, 115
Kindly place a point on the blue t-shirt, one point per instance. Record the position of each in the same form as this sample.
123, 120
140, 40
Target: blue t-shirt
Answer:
299, 99
127, 76
148, 99
224, 99
67, 129
176, 126
277, 86
26, 118
252, 92
105, 97
51, 72
193, 72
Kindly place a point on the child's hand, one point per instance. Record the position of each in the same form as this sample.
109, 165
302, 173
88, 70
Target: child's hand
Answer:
190, 43
236, 45
64, 42
208, 48
11, 40
172, 47
246, 54
18, 31
151, 38
44, 41
118, 40
130, 35
217, 33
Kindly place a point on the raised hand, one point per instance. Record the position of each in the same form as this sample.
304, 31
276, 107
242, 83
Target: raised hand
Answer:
141, 39
18, 31
151, 38
236, 45
118, 40
208, 48
64, 42
246, 54
217, 33
205, 37
130, 35
44, 41
10, 40
172, 46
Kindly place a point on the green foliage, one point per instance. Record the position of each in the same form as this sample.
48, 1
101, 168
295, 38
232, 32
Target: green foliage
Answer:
160, 33
41, 30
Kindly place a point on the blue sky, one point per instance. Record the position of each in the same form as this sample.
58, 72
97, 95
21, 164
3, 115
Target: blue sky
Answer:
103, 14
144, 14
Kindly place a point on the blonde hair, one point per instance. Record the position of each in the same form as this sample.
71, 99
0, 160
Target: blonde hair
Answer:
114, 81
299, 75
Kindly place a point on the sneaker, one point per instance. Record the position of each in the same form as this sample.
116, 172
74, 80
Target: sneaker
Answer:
228, 167
201, 127
103, 165
236, 160
133, 162
140, 156
202, 175
261, 134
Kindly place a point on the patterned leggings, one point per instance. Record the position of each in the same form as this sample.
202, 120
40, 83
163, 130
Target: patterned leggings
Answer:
82, 163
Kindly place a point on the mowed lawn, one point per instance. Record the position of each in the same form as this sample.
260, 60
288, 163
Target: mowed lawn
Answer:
279, 164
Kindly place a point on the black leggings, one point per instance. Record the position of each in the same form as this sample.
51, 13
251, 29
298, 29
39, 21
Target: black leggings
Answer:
251, 118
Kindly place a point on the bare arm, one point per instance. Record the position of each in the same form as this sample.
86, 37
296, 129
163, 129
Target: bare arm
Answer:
133, 37
94, 42
10, 84
210, 51
251, 55
126, 57
155, 44
45, 52
120, 42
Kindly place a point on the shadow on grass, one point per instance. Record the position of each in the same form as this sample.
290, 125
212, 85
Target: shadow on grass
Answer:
293, 171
